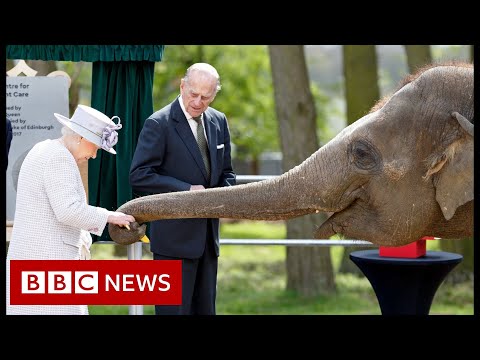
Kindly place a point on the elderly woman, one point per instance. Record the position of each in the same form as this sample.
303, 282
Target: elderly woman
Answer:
52, 217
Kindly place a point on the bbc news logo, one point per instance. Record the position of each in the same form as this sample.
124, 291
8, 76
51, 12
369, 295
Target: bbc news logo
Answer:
60, 282
95, 282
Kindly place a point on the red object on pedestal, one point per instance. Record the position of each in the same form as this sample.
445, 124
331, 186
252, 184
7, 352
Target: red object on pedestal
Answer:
412, 250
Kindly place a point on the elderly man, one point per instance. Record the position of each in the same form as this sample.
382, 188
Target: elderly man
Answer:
186, 147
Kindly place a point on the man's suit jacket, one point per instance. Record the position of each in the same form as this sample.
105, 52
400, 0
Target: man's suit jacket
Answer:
167, 159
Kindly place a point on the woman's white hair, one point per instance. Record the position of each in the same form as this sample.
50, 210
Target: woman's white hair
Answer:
66, 131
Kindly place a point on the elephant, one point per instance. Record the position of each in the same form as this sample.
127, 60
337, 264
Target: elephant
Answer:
401, 172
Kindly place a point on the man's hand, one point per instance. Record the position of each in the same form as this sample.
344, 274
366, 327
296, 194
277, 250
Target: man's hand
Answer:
197, 187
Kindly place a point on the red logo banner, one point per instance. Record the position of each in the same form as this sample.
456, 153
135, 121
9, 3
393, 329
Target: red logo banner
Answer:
96, 282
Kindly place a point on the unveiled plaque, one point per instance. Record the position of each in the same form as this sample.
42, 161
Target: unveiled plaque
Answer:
31, 102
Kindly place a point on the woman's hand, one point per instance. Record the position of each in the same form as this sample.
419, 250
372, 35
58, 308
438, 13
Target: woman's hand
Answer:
120, 219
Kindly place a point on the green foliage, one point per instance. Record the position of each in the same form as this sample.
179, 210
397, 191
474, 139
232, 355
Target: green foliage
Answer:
246, 97
253, 230
81, 75
251, 280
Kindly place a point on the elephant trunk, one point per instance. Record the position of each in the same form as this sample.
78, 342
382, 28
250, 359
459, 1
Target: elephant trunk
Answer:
295, 193
263, 200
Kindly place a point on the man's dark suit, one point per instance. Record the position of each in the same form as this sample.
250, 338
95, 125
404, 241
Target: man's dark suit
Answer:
166, 159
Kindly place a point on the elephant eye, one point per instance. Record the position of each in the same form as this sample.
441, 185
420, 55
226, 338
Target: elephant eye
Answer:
364, 155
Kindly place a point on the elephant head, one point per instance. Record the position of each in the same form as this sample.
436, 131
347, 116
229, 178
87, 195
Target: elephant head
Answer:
402, 171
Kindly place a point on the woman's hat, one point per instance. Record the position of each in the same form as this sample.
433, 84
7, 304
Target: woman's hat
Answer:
94, 126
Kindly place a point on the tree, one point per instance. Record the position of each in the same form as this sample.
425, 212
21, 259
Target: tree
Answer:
417, 56
309, 269
361, 93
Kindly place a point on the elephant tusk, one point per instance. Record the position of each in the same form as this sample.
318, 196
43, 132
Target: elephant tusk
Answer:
464, 123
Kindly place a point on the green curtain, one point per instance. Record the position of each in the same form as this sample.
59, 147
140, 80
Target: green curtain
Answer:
122, 85
108, 174
88, 53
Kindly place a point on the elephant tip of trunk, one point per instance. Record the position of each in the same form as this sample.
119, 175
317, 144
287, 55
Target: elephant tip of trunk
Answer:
122, 236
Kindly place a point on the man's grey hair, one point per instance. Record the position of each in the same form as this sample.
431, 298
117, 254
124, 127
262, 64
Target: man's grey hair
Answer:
206, 69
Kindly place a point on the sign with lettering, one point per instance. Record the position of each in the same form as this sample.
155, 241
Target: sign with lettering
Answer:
31, 102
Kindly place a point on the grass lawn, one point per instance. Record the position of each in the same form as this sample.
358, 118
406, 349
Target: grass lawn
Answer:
251, 280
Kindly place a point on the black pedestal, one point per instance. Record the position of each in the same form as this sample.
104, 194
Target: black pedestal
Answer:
405, 286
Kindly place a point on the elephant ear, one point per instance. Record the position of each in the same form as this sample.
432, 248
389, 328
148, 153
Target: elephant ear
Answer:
454, 172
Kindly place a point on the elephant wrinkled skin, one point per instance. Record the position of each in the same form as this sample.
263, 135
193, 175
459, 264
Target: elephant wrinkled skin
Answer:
403, 171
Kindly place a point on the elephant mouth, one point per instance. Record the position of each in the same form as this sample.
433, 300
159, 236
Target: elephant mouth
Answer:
329, 227
337, 222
